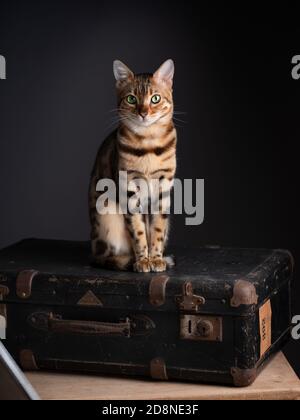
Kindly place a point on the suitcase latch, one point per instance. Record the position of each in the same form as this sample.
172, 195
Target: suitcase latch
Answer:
189, 302
201, 328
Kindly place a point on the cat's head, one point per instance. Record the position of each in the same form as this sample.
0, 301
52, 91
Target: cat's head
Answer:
144, 99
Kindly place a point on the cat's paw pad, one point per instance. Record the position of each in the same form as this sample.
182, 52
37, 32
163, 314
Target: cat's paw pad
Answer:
158, 265
142, 266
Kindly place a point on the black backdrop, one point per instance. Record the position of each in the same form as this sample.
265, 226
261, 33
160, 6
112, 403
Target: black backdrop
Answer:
233, 78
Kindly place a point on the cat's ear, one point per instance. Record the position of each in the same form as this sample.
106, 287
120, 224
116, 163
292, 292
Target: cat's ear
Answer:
166, 72
121, 71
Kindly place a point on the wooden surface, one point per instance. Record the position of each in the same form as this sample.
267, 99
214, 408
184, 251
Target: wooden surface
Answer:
277, 382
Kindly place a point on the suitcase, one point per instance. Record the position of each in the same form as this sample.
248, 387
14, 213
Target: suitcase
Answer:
217, 317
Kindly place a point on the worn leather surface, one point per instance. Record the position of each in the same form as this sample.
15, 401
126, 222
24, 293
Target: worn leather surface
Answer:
213, 270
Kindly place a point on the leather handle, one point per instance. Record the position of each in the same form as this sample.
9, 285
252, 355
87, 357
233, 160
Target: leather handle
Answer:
120, 329
54, 323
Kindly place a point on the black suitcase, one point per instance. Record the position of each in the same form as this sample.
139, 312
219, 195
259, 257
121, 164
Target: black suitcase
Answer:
215, 318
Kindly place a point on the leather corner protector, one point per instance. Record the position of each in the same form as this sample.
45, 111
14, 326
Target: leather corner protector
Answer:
27, 360
24, 283
243, 377
158, 369
244, 293
291, 258
157, 290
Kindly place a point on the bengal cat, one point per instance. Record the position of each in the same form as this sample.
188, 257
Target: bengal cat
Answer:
144, 146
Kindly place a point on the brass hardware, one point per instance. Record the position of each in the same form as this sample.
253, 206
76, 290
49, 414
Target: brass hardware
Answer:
158, 369
157, 290
189, 302
201, 328
24, 283
205, 328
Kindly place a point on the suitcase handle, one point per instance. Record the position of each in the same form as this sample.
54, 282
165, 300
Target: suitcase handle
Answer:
54, 323
106, 329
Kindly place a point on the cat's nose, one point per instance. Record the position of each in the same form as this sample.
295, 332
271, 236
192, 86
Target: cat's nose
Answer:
143, 114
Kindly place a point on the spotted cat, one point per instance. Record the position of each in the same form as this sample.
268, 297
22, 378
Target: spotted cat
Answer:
143, 146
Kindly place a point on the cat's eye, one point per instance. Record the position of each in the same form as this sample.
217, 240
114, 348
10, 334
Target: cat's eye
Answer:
131, 99
156, 99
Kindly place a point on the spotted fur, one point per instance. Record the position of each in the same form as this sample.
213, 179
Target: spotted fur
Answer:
144, 145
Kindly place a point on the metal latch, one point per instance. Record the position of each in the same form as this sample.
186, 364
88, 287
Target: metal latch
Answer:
201, 328
189, 302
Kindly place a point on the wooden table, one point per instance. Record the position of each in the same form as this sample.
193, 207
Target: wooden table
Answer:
278, 381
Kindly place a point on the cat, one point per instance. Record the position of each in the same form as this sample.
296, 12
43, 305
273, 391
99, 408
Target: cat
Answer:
144, 146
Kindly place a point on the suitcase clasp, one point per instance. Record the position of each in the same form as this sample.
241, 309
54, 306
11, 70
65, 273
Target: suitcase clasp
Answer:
189, 302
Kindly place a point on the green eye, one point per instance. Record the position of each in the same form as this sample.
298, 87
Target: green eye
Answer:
131, 99
155, 99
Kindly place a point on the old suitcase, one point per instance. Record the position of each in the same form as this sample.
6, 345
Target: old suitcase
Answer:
216, 318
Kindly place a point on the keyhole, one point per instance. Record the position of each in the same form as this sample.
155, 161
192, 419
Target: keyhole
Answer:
190, 327
205, 328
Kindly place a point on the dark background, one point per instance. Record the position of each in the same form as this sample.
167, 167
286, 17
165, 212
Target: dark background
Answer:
233, 79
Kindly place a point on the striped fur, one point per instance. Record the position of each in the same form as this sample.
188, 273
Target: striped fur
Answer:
144, 145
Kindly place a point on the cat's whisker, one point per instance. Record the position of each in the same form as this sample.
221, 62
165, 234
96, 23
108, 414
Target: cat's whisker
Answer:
116, 121
114, 110
178, 125
179, 120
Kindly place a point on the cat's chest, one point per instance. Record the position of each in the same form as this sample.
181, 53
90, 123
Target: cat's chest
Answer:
147, 164
147, 159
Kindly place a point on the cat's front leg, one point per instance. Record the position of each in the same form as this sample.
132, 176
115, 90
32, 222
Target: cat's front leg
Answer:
159, 226
136, 226
159, 234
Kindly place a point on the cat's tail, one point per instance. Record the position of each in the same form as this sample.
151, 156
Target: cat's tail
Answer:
170, 260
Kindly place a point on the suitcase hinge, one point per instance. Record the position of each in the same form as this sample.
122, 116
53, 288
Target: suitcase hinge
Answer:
24, 283
189, 302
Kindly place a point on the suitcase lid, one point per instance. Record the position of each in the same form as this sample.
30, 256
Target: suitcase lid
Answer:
206, 280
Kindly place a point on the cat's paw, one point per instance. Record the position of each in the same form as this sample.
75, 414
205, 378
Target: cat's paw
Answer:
142, 266
158, 265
